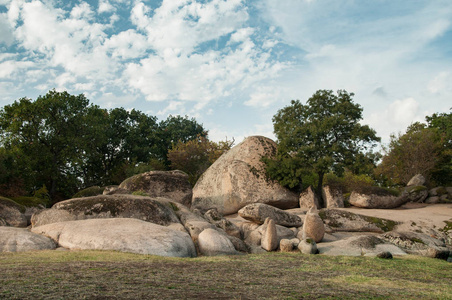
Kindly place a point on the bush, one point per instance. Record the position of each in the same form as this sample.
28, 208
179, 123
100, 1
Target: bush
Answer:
89, 192
30, 201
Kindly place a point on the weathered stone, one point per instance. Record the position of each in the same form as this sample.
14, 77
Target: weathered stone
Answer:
415, 243
332, 197
20, 239
214, 217
281, 231
193, 223
286, 245
254, 238
437, 191
120, 234
341, 220
376, 201
415, 193
308, 246
417, 180
211, 243
12, 213
269, 240
258, 212
238, 178
313, 226
239, 245
440, 253
433, 200
173, 185
114, 189
309, 199
154, 210
385, 255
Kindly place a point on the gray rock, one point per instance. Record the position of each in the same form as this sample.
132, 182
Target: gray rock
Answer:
415, 193
211, 243
12, 213
417, 243
239, 245
376, 201
215, 218
269, 240
238, 178
308, 246
313, 226
433, 200
309, 199
258, 212
333, 197
120, 234
341, 220
155, 210
21, 239
417, 179
173, 185
286, 245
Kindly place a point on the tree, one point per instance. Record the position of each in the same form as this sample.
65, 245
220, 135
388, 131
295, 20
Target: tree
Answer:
442, 172
322, 136
196, 156
414, 152
175, 129
50, 133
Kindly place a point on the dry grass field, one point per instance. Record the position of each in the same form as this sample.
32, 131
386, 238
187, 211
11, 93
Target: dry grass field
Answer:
114, 275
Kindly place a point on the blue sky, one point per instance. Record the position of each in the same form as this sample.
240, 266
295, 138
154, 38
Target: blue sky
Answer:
232, 64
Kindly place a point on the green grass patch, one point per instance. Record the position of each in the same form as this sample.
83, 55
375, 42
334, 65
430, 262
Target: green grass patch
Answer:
107, 274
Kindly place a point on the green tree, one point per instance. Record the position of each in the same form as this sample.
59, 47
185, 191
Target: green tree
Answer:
49, 132
414, 152
195, 156
322, 136
442, 172
173, 130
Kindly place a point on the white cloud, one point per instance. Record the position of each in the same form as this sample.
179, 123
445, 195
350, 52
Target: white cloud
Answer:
105, 7
441, 82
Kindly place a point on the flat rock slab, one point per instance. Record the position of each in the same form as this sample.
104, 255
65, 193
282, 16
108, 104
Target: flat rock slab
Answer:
258, 212
154, 210
125, 235
21, 239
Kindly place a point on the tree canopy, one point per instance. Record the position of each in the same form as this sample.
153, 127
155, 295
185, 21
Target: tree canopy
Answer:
64, 143
320, 136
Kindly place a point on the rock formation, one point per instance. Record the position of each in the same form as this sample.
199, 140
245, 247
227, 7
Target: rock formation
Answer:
238, 178
258, 212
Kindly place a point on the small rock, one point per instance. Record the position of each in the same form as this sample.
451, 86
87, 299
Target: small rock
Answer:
211, 242
269, 240
286, 245
385, 255
258, 212
308, 246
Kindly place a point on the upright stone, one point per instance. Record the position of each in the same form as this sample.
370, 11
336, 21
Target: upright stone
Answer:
313, 226
332, 197
238, 178
269, 240
309, 199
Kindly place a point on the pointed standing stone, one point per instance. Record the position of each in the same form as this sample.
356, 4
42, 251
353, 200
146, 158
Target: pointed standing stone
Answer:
269, 240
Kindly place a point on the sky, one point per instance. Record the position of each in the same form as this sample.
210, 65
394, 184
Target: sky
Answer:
232, 64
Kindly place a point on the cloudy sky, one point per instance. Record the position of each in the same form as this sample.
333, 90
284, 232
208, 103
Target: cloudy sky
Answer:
232, 64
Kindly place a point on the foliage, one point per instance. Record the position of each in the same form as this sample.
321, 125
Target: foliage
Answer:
89, 192
415, 152
195, 156
442, 172
349, 182
322, 136
65, 143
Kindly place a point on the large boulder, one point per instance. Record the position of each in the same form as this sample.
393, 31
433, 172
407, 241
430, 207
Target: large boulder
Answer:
341, 220
415, 193
238, 178
309, 199
121, 234
313, 226
154, 210
21, 239
417, 179
364, 200
11, 213
332, 197
258, 212
211, 243
168, 184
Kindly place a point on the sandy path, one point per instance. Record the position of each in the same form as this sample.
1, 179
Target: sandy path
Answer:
419, 213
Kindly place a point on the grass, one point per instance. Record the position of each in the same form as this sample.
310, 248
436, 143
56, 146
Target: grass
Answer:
115, 275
